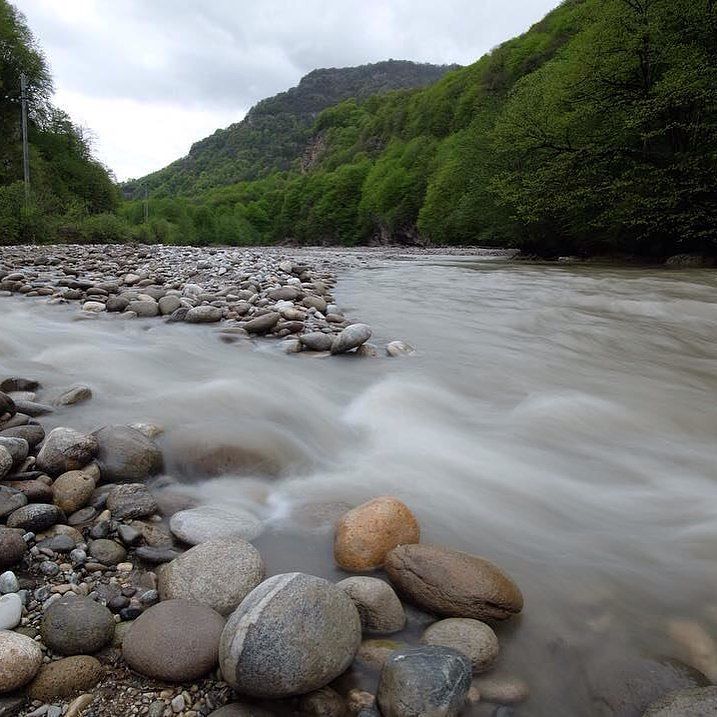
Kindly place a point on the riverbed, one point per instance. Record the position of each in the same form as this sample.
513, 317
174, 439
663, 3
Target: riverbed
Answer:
557, 420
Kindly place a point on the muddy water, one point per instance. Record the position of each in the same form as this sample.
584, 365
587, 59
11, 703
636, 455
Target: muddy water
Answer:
560, 421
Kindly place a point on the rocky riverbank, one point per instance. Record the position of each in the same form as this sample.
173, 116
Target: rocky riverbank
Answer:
119, 599
250, 293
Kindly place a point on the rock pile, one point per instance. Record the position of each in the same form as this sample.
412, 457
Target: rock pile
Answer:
249, 292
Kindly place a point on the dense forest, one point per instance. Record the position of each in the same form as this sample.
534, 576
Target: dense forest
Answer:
72, 196
275, 133
594, 132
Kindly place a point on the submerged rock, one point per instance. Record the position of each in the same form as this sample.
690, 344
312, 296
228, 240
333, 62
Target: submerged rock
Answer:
291, 635
427, 680
209, 522
695, 702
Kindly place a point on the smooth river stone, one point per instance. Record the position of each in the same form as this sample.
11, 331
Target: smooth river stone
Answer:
378, 605
10, 611
10, 500
175, 640
451, 583
5, 461
428, 680
72, 491
218, 573
35, 517
76, 625
262, 324
472, 638
126, 455
291, 635
208, 522
20, 659
63, 678
351, 338
203, 315
65, 450
366, 534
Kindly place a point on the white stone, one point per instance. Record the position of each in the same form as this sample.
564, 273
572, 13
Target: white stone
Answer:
94, 306
10, 611
8, 583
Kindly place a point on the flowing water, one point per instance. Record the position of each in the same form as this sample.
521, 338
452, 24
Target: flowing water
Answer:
558, 420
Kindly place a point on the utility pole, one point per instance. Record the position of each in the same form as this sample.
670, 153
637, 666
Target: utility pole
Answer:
25, 147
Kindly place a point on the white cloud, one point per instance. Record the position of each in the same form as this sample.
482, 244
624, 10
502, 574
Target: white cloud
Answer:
151, 77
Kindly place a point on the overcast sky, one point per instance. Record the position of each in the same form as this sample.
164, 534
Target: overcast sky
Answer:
149, 77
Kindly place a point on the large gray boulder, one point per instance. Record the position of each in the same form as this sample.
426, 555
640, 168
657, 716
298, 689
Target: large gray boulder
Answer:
695, 702
291, 635
66, 450
219, 573
77, 626
378, 605
126, 455
427, 680
175, 641
452, 583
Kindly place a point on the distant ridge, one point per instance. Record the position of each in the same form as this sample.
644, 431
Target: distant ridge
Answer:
275, 132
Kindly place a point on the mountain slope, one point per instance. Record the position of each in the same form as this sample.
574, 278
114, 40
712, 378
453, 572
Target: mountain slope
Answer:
274, 133
594, 132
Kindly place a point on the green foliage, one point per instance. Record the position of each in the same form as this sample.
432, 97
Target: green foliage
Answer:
68, 186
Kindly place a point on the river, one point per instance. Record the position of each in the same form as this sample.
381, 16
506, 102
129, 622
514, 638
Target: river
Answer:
559, 420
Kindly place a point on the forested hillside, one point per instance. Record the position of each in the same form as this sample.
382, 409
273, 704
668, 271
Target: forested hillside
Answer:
73, 196
275, 133
596, 131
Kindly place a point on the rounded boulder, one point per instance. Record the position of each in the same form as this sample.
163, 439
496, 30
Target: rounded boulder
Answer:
451, 583
76, 626
20, 659
126, 455
473, 638
291, 635
210, 522
428, 680
72, 491
66, 450
65, 677
175, 641
378, 605
367, 533
218, 573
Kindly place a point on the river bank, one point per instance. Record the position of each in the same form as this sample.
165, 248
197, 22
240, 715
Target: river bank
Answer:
544, 407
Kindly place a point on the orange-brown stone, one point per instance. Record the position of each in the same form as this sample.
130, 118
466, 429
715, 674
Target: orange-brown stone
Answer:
367, 533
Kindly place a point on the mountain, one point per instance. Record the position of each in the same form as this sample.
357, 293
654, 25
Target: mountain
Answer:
275, 132
71, 194
594, 132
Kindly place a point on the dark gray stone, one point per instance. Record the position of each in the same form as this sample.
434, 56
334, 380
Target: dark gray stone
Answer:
11, 500
107, 552
156, 556
262, 324
18, 448
317, 341
12, 548
429, 680
125, 454
351, 338
35, 517
32, 433
77, 626
131, 500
